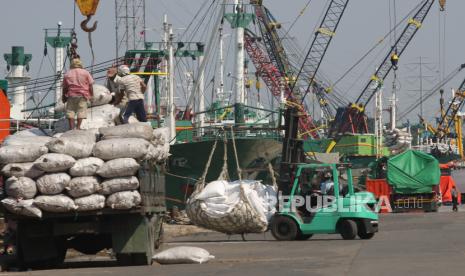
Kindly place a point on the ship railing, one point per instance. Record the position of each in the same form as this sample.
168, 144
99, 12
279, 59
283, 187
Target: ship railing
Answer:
22, 124
211, 133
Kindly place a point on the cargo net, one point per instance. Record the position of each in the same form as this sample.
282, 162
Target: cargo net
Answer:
230, 207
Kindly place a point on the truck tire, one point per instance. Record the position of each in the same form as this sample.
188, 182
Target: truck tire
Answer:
284, 228
348, 229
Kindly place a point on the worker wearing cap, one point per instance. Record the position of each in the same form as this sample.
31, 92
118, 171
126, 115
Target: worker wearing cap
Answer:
134, 89
77, 90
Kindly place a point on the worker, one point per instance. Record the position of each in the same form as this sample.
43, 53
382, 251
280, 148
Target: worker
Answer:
394, 60
326, 183
77, 90
119, 97
454, 195
134, 88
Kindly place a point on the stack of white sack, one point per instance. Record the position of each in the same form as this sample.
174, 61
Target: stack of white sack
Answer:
100, 114
233, 207
75, 171
398, 140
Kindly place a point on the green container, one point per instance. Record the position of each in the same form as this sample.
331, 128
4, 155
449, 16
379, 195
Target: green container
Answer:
352, 145
184, 131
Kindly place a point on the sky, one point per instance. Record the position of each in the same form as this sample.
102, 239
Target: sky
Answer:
362, 25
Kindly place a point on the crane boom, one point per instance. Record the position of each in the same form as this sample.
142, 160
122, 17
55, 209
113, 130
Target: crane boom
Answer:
318, 48
450, 114
399, 47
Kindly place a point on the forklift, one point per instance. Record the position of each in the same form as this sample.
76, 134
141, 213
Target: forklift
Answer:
344, 212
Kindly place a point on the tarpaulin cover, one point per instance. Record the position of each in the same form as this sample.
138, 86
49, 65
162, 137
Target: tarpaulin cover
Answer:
447, 182
413, 172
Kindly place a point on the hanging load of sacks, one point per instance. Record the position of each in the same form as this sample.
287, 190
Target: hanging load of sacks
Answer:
233, 207
239, 207
79, 170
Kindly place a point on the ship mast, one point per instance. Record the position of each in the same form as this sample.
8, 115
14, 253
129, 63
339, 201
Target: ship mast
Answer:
239, 20
171, 122
220, 91
239, 68
59, 42
18, 64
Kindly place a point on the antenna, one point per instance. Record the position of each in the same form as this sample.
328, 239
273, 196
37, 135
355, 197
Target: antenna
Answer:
130, 25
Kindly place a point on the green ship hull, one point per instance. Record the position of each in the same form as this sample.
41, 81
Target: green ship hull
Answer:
188, 160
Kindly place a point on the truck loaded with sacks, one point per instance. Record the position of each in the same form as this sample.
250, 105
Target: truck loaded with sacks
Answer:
83, 189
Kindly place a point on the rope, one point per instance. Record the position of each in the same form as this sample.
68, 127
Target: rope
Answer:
239, 171
224, 175
201, 183
273, 177
180, 176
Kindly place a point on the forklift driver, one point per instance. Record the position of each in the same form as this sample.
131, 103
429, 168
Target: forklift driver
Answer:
327, 184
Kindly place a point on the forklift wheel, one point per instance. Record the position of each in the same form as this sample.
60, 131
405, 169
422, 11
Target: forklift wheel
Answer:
366, 236
284, 228
303, 237
348, 229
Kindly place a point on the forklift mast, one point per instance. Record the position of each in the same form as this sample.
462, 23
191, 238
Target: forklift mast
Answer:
293, 151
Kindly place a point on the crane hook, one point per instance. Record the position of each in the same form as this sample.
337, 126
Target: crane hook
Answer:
84, 26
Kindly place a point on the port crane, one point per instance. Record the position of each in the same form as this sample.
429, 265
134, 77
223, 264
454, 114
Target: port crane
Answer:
352, 118
273, 65
450, 120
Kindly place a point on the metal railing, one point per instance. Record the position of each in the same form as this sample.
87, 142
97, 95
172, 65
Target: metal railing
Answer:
18, 125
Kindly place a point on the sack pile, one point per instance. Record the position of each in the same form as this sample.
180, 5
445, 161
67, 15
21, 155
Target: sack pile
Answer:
398, 140
100, 114
233, 207
79, 170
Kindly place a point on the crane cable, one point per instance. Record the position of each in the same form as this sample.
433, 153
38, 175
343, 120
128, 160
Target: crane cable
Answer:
449, 77
375, 46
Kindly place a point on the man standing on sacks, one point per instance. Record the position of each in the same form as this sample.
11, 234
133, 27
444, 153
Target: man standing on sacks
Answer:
77, 90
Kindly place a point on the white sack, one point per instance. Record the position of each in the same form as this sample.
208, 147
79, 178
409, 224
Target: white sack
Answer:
101, 95
97, 117
83, 186
121, 148
21, 154
124, 200
22, 207
55, 203
54, 162
152, 153
21, 169
20, 187
161, 136
183, 255
77, 147
233, 207
86, 167
163, 152
136, 130
14, 140
53, 183
90, 203
114, 185
90, 134
118, 168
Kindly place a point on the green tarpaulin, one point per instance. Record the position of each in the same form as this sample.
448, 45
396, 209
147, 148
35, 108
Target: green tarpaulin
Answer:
413, 172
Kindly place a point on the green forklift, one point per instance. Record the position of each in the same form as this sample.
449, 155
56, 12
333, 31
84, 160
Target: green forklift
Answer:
304, 210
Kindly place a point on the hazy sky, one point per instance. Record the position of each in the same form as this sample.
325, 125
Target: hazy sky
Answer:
363, 24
